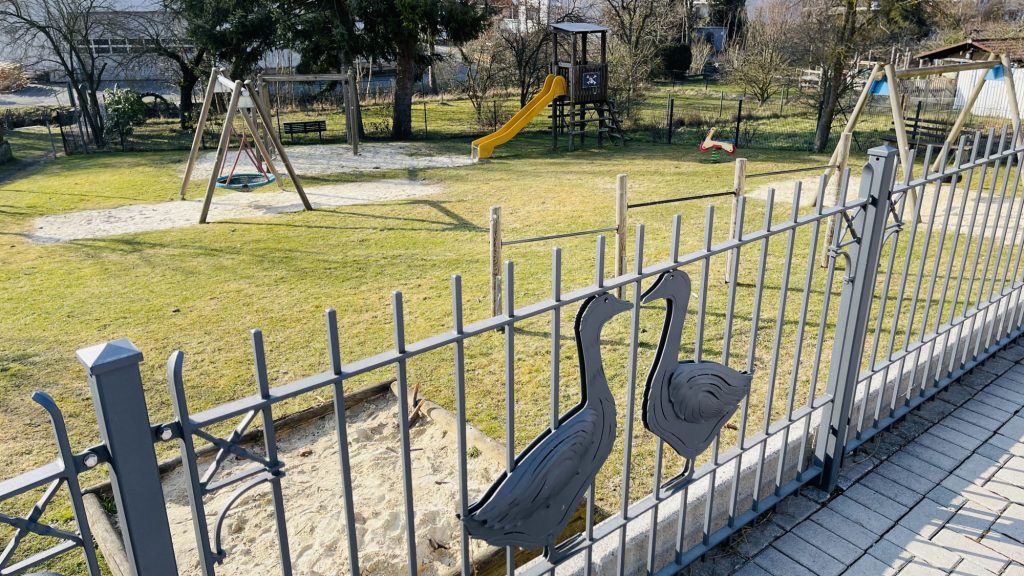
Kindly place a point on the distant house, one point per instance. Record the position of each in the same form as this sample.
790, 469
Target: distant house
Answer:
992, 101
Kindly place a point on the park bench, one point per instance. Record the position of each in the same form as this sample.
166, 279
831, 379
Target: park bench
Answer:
305, 127
923, 132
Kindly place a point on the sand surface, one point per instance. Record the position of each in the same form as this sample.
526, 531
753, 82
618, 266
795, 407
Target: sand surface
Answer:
989, 213
314, 505
338, 158
226, 205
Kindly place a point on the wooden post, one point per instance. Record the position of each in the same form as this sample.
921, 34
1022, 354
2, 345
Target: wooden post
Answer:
495, 260
961, 119
1011, 95
352, 112
851, 122
832, 193
739, 186
621, 209
901, 130
276, 139
222, 149
197, 140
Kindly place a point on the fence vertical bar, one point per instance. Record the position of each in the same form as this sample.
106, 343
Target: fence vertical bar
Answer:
190, 464
495, 236
460, 411
621, 214
270, 447
117, 395
739, 185
855, 305
510, 393
403, 426
341, 431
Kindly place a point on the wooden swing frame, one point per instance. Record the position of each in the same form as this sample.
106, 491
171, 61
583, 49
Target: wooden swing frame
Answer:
887, 72
219, 82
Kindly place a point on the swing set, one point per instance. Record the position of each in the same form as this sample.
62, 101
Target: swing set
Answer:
243, 102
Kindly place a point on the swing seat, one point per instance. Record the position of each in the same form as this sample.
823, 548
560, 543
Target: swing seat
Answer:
245, 181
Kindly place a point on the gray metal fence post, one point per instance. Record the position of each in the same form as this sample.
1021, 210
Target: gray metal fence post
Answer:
117, 396
854, 308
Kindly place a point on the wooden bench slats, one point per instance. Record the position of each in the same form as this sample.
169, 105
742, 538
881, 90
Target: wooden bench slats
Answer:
305, 127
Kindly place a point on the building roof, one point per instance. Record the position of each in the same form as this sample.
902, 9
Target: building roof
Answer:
978, 49
578, 27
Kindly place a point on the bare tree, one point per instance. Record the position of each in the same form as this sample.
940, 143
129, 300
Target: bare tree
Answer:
636, 27
527, 41
700, 51
59, 32
486, 69
165, 46
760, 62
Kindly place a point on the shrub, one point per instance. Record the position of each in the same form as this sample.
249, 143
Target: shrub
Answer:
676, 58
125, 111
12, 77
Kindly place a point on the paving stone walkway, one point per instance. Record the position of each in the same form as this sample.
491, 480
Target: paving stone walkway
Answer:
942, 492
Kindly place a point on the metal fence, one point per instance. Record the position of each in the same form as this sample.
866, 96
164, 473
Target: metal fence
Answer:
924, 282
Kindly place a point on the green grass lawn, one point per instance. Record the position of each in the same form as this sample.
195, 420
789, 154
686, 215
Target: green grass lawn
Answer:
201, 288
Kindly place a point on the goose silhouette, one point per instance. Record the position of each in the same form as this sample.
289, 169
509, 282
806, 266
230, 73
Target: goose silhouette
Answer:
530, 506
686, 403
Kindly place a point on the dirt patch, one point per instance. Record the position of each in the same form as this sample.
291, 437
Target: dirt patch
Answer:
785, 189
175, 214
314, 503
338, 159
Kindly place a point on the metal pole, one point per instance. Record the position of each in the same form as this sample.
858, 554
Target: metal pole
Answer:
120, 404
855, 307
739, 120
495, 260
671, 118
621, 212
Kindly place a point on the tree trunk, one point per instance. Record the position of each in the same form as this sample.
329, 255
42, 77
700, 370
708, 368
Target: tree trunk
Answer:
830, 100
405, 79
88, 106
185, 105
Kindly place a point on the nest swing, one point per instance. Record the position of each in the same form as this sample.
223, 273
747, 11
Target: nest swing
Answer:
245, 180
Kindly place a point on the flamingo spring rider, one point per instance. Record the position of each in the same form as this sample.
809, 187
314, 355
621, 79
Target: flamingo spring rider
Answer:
530, 506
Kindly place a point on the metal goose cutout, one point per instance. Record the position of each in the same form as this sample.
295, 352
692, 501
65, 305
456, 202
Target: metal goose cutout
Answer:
686, 403
531, 505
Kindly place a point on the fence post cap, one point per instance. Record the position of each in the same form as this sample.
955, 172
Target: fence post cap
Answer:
883, 150
109, 356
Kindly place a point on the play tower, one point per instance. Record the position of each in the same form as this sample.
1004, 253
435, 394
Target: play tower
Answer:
586, 100
576, 90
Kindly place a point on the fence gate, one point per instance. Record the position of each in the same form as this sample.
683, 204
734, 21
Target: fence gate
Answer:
806, 363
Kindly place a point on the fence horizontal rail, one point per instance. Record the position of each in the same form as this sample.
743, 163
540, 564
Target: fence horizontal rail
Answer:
557, 236
682, 199
791, 171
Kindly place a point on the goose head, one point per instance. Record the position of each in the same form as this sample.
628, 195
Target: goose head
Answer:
672, 285
599, 309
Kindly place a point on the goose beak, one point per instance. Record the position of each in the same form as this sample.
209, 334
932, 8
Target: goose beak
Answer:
617, 304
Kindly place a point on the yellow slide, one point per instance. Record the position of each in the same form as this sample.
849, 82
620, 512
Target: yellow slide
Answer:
554, 87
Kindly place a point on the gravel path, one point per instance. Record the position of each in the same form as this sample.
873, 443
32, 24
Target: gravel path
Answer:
164, 215
338, 158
